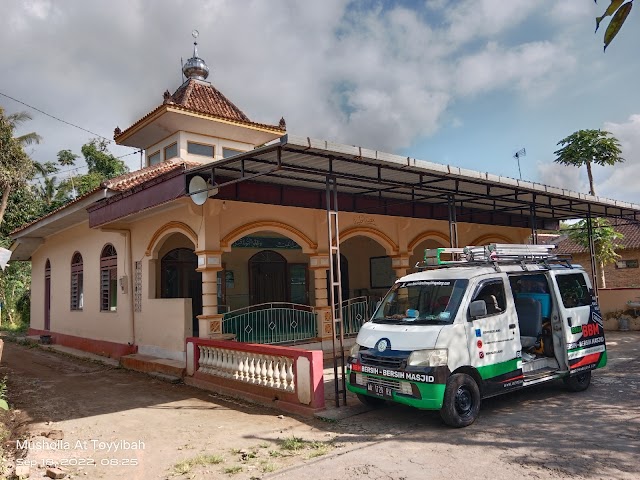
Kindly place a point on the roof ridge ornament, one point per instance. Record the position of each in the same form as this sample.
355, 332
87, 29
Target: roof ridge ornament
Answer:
195, 67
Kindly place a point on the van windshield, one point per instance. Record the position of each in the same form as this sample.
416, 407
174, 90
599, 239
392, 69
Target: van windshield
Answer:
422, 302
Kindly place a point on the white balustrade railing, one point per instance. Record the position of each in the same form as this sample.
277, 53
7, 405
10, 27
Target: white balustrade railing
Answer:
259, 369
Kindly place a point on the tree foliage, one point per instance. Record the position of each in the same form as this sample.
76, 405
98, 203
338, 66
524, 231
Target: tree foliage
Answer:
618, 10
586, 147
604, 242
15, 166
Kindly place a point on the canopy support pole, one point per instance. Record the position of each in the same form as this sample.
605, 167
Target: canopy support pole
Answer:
335, 290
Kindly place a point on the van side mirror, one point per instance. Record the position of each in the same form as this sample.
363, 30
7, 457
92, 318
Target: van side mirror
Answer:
477, 308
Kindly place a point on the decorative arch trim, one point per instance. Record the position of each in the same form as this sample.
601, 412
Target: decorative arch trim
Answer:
308, 245
171, 227
491, 236
432, 234
390, 246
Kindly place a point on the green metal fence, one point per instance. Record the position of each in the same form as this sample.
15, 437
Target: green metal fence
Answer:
269, 323
355, 311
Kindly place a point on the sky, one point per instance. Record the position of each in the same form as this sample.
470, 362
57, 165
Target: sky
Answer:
465, 82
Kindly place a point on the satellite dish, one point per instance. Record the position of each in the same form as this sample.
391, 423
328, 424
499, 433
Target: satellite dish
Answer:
199, 185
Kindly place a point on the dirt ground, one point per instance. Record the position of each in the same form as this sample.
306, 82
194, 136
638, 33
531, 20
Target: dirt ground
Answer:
181, 432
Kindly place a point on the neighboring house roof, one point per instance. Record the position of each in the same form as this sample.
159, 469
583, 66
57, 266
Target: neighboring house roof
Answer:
630, 241
201, 97
118, 184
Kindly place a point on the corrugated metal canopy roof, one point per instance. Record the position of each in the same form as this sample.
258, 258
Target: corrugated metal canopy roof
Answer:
302, 161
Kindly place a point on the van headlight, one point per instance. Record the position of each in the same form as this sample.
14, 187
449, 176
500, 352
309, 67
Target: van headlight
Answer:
353, 352
428, 358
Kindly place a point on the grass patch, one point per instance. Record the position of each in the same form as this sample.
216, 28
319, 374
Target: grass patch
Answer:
263, 445
296, 445
267, 467
293, 444
184, 467
275, 453
233, 470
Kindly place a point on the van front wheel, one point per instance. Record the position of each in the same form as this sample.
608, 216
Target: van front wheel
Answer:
579, 382
461, 403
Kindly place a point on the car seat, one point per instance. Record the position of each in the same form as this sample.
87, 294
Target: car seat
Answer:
529, 313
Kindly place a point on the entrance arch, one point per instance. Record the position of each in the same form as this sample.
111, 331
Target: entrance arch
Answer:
177, 276
267, 277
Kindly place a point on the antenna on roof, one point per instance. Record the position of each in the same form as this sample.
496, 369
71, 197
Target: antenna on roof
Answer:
520, 153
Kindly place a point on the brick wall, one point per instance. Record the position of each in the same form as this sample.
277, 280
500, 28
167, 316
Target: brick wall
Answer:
615, 277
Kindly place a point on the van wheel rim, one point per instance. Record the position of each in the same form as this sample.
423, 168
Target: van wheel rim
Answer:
463, 401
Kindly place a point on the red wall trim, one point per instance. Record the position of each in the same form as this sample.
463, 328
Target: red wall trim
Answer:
99, 347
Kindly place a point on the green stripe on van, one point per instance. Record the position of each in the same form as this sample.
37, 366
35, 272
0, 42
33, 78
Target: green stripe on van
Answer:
490, 371
603, 360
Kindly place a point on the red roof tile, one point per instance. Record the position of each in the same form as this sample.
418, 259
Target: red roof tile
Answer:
133, 179
203, 97
631, 240
121, 184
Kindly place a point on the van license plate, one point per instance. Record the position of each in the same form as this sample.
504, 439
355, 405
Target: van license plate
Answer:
379, 390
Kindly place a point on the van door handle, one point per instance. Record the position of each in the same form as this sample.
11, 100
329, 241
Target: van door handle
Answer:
512, 326
569, 321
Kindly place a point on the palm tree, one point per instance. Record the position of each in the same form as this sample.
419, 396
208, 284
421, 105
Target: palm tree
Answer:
585, 147
18, 118
48, 190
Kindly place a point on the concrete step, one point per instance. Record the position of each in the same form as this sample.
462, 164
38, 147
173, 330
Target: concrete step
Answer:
148, 364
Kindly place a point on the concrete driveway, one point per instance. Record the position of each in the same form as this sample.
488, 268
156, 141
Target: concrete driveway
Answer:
543, 432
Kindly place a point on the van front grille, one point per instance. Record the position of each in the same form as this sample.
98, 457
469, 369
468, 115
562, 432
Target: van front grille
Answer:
378, 361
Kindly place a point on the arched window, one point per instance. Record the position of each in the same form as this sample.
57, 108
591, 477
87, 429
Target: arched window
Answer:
47, 295
77, 292
108, 279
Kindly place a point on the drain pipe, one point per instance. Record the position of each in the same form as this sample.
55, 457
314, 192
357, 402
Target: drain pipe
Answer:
129, 260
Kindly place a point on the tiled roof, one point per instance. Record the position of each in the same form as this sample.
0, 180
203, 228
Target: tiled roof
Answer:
121, 184
203, 97
631, 240
133, 179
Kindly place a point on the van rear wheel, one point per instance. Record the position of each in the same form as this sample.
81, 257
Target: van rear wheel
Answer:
579, 382
461, 404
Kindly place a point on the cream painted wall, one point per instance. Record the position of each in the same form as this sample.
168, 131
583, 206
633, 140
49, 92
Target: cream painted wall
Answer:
164, 323
218, 143
90, 322
160, 146
358, 251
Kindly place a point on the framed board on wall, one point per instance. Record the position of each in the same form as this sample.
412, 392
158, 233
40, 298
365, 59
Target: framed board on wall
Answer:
381, 272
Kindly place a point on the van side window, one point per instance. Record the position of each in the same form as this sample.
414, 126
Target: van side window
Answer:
573, 290
492, 292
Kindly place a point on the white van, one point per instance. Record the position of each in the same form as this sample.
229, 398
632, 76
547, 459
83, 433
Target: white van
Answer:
488, 321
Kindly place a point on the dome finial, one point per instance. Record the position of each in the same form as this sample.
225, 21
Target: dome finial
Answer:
195, 67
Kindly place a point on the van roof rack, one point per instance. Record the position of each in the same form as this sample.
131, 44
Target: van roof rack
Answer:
494, 254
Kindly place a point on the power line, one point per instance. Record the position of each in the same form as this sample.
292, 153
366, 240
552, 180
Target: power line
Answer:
58, 119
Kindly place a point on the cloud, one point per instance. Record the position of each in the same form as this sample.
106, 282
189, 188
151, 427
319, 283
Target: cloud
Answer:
531, 68
616, 181
620, 181
562, 176
480, 19
380, 76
